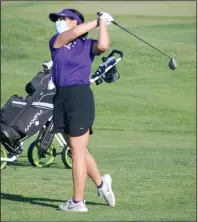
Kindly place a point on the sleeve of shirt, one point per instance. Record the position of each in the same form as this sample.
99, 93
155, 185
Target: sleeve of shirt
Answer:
52, 49
91, 42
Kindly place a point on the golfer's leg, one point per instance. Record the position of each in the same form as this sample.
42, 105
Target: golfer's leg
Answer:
103, 183
78, 146
92, 169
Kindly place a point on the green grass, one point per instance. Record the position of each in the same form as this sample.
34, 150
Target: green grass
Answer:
145, 126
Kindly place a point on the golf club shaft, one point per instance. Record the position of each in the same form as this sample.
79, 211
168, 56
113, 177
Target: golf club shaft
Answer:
115, 23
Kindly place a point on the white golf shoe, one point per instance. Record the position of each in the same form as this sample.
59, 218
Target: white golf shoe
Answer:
106, 191
71, 206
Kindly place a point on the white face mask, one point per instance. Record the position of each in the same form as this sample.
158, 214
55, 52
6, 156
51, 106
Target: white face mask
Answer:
61, 26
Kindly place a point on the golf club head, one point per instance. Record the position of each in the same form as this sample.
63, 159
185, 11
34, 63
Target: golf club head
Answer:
172, 64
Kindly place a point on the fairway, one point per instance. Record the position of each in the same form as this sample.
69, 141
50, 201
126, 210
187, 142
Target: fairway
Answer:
145, 126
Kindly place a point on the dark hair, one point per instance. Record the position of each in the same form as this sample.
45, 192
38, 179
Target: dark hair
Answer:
76, 12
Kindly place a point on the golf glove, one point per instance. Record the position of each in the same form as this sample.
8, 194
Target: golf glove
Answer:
106, 17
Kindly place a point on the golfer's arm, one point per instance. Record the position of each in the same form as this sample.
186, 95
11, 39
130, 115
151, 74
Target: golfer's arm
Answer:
103, 42
71, 34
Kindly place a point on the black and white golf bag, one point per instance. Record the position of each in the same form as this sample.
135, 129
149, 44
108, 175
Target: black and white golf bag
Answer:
24, 117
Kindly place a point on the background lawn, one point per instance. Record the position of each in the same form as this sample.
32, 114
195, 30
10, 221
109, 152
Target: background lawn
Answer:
145, 126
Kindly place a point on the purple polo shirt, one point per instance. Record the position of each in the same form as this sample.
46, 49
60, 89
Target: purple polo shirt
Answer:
72, 62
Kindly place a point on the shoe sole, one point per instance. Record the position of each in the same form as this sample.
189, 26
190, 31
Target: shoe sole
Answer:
74, 210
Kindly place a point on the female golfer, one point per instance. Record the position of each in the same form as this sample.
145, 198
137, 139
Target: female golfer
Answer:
74, 109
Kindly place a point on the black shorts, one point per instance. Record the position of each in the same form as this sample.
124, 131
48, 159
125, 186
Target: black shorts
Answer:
74, 110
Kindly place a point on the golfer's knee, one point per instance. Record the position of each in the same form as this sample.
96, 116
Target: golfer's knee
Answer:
79, 142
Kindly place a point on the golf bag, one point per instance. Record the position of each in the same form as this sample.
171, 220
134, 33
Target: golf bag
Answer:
24, 117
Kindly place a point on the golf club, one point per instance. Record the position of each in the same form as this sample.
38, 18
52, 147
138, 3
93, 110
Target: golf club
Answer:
172, 63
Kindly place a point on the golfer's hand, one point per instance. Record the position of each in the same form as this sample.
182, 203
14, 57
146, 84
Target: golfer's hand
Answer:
106, 17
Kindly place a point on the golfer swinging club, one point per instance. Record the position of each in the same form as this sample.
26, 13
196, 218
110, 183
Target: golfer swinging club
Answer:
74, 109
